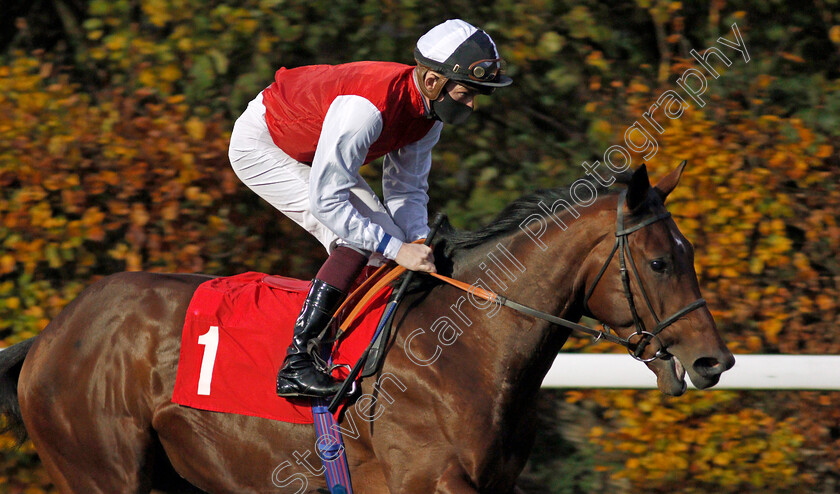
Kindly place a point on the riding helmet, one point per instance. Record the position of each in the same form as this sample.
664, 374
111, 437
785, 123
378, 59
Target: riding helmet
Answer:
461, 52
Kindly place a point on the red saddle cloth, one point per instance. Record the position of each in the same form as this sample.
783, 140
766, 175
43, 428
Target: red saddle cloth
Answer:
234, 341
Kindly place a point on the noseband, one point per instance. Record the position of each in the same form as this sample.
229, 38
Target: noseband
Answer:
638, 341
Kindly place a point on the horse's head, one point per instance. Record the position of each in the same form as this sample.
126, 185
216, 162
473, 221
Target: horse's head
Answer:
663, 314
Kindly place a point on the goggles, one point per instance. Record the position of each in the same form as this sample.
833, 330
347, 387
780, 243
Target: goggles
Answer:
482, 70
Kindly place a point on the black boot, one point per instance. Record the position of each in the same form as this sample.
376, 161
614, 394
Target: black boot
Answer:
298, 376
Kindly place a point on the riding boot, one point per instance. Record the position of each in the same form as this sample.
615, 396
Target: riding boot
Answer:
299, 376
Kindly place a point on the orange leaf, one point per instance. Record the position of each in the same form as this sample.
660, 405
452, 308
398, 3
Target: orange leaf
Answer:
792, 57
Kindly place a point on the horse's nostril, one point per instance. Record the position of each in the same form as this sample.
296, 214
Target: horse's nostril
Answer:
708, 366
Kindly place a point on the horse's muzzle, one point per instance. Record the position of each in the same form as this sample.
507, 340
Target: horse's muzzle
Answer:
705, 372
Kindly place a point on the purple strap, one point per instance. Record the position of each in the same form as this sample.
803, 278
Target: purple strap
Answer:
329, 445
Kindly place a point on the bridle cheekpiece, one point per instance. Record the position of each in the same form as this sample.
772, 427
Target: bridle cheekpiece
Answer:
642, 336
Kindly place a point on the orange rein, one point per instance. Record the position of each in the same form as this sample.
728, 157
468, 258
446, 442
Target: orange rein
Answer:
478, 292
380, 278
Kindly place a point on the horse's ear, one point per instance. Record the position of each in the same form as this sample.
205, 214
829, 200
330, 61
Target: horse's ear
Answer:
637, 189
669, 182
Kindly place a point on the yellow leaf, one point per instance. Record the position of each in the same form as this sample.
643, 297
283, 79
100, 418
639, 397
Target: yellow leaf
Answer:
147, 77
722, 459
773, 457
834, 34
771, 329
195, 129
133, 262
756, 265
170, 73
7, 264
729, 272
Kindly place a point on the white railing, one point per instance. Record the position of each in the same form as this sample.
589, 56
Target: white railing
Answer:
769, 372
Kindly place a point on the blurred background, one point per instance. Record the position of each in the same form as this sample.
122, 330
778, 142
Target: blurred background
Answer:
115, 117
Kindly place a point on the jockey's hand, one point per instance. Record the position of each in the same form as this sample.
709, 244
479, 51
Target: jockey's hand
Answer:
416, 257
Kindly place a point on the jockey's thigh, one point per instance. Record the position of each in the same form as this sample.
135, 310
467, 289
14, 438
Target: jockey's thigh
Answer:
283, 181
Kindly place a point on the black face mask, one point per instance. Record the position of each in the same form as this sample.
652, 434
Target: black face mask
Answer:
450, 111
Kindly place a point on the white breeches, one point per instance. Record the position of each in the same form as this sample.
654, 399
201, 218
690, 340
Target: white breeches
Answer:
284, 182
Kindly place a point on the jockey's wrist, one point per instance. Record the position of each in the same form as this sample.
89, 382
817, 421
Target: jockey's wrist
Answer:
389, 246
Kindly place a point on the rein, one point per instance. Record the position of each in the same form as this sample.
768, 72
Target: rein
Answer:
494, 297
635, 343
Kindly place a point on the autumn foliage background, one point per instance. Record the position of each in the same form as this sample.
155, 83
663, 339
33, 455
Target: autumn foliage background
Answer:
115, 119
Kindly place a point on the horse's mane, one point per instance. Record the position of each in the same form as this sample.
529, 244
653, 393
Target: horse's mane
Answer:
509, 219
449, 241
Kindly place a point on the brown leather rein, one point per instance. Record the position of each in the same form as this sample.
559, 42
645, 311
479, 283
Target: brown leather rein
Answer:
635, 343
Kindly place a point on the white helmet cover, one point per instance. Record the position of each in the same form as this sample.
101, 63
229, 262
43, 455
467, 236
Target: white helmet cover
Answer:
461, 52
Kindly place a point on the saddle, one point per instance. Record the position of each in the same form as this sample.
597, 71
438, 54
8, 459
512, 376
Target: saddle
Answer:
234, 338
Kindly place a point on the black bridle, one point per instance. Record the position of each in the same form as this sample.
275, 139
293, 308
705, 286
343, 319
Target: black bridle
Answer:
642, 336
638, 341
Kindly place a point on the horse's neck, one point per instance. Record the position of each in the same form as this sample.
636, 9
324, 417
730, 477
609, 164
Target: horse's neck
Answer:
544, 274
549, 280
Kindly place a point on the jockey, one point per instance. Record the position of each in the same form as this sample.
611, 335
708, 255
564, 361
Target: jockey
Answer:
301, 142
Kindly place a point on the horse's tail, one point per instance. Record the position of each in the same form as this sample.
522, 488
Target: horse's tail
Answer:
11, 361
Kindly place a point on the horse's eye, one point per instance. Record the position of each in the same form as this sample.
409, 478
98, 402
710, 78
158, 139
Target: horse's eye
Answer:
658, 265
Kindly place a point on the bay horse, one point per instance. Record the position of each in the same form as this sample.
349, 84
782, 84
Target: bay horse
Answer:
453, 406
